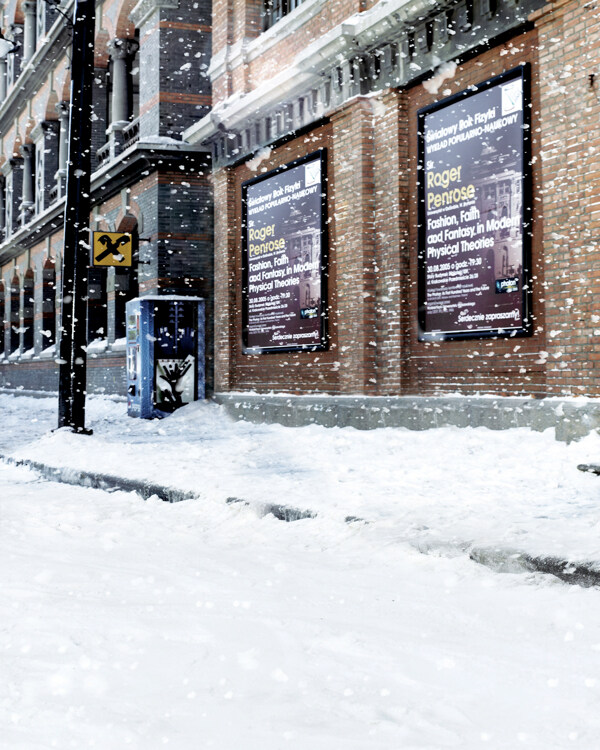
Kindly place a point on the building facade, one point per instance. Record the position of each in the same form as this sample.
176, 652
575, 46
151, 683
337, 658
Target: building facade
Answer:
434, 247
149, 84
358, 80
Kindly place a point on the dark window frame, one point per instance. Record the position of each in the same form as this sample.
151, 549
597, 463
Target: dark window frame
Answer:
275, 10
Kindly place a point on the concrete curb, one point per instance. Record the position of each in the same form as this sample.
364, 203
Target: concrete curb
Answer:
584, 574
589, 468
98, 481
502, 560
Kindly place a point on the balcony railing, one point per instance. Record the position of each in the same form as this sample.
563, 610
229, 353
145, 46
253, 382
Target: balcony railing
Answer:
103, 153
131, 133
120, 138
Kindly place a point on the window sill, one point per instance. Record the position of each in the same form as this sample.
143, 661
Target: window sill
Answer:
248, 50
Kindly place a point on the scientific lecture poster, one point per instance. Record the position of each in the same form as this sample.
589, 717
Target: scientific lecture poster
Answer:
283, 257
472, 244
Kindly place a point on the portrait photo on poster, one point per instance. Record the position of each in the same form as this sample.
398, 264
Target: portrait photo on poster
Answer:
474, 206
284, 258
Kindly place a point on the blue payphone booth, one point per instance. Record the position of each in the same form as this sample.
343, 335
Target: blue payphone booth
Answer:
165, 354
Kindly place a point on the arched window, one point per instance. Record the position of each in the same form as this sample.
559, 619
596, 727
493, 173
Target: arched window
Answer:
48, 304
27, 316
15, 314
14, 60
2, 319
46, 14
134, 79
273, 10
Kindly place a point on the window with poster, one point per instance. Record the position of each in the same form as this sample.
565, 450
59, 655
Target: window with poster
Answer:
284, 258
474, 193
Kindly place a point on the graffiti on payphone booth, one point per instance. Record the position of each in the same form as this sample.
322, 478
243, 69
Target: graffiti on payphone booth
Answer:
175, 358
174, 382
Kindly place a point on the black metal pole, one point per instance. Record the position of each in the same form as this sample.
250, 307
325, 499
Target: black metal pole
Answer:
76, 255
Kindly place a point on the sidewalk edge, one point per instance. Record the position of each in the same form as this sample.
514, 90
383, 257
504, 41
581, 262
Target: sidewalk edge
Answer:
579, 573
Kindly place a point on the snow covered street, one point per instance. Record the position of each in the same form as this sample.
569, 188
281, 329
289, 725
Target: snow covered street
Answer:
203, 624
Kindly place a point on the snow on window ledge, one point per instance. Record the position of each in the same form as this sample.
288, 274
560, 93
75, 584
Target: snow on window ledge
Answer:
48, 352
97, 346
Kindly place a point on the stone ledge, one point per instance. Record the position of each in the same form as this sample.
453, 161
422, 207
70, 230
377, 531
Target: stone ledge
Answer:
570, 419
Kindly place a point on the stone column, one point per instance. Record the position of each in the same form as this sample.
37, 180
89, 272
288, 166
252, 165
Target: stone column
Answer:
2, 79
2, 208
27, 204
63, 147
29, 28
119, 50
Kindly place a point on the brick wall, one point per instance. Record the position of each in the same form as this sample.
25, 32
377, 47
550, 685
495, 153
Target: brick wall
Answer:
391, 199
226, 345
374, 348
239, 20
569, 52
296, 371
354, 244
105, 374
173, 58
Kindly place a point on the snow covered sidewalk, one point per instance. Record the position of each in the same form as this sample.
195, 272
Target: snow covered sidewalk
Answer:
448, 491
203, 624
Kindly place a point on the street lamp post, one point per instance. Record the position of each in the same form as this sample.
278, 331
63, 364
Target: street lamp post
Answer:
73, 329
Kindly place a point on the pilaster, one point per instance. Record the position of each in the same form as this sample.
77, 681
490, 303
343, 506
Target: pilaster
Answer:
225, 280
355, 246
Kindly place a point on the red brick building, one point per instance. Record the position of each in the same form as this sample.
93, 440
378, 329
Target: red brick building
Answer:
349, 77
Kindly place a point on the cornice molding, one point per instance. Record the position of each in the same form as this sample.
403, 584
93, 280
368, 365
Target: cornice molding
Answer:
393, 44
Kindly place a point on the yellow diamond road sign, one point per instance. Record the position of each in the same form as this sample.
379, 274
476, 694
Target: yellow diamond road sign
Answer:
112, 249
